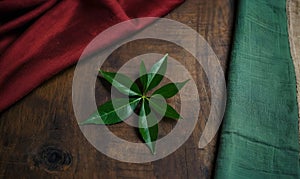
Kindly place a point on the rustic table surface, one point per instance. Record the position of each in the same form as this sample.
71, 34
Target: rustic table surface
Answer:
40, 136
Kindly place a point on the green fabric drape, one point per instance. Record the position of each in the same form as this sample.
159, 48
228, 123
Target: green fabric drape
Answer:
259, 137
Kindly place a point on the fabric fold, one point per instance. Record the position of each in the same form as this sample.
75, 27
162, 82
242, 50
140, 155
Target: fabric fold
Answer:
259, 137
40, 38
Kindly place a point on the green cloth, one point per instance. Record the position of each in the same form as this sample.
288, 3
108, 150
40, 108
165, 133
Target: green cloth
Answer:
259, 137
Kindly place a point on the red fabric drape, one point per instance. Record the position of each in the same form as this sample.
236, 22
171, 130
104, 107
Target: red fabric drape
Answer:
39, 38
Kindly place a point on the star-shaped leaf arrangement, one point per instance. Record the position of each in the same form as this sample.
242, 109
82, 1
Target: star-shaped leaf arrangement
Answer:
109, 113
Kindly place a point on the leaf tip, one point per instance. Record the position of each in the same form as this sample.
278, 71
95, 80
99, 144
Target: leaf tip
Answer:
185, 82
151, 146
181, 84
165, 56
81, 123
101, 71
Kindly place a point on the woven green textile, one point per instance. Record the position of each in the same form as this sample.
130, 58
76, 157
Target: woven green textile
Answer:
259, 137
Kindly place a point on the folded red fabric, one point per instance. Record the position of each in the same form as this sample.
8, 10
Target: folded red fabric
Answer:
40, 38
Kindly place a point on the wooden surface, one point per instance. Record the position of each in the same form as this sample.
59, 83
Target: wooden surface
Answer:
40, 136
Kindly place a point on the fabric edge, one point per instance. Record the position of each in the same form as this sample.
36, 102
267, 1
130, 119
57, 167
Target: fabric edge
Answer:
294, 40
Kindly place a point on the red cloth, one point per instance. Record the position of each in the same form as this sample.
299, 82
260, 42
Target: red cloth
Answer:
39, 38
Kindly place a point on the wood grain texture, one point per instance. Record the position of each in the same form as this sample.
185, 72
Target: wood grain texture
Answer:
40, 136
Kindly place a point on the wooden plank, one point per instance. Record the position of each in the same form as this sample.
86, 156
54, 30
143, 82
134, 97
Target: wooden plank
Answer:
40, 136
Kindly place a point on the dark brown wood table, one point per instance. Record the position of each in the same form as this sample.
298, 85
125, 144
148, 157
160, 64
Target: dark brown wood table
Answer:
40, 136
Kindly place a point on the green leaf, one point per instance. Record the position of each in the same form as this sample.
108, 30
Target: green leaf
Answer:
143, 75
172, 113
169, 90
156, 73
148, 126
113, 111
167, 111
122, 83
